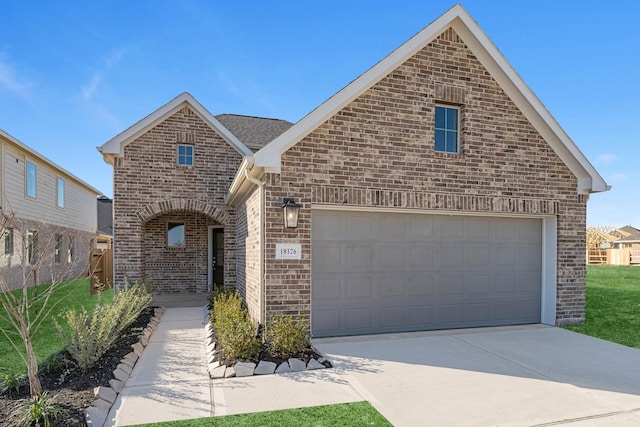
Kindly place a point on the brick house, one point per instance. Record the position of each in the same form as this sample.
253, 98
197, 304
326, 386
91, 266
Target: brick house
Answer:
436, 192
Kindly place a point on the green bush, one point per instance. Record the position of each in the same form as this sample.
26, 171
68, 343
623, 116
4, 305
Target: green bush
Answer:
10, 382
234, 329
92, 335
39, 411
287, 337
54, 362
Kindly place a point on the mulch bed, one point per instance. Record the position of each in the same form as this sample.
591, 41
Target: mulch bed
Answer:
72, 388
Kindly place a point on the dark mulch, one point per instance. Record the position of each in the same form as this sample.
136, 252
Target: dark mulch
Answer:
72, 388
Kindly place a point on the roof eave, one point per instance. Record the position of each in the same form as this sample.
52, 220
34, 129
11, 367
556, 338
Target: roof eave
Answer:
34, 153
115, 146
589, 180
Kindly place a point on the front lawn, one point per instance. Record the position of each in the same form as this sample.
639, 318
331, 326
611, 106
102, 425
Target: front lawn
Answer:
346, 414
613, 304
48, 341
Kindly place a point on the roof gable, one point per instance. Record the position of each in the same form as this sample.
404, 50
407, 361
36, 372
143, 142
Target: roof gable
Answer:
115, 146
589, 180
10, 139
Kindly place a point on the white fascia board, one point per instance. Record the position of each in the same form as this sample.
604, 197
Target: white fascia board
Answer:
457, 17
42, 158
269, 156
115, 146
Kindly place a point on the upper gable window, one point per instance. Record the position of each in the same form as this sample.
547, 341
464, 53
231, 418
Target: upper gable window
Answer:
185, 155
60, 193
31, 179
447, 135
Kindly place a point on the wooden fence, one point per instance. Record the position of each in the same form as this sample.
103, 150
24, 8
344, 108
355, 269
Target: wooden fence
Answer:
623, 256
101, 262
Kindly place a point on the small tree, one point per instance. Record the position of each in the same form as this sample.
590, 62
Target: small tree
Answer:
28, 306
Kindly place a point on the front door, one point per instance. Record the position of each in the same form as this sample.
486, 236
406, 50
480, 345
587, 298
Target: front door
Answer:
217, 258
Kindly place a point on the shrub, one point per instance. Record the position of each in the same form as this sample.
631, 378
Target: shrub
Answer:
234, 329
287, 337
39, 411
54, 362
10, 382
92, 335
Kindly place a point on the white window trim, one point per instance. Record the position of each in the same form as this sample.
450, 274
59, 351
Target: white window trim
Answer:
459, 115
64, 190
178, 155
26, 179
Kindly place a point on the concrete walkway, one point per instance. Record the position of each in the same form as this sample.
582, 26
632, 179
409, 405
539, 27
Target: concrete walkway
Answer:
170, 380
511, 376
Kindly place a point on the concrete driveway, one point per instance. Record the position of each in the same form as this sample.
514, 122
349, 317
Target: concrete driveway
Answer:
513, 376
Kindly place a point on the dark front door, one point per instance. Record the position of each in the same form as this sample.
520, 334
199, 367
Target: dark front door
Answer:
218, 257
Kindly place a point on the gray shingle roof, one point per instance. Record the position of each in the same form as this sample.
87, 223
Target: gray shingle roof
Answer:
105, 215
633, 237
254, 132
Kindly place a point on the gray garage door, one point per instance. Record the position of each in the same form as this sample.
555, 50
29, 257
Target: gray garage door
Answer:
389, 272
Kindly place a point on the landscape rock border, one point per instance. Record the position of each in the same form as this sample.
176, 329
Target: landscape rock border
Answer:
218, 370
96, 414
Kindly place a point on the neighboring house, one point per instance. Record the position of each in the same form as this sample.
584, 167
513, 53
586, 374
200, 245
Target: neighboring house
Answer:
631, 240
436, 192
54, 218
105, 222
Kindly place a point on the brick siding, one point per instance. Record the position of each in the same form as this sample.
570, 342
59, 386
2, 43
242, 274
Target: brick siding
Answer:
248, 247
379, 152
45, 268
150, 189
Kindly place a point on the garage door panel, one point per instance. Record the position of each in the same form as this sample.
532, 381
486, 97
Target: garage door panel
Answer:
420, 316
451, 255
358, 257
420, 227
391, 227
357, 318
477, 256
420, 256
404, 272
478, 312
390, 317
390, 256
326, 257
477, 284
328, 289
358, 227
448, 285
417, 285
358, 287
389, 286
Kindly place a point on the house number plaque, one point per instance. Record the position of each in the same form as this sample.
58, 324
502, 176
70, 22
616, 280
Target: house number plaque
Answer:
288, 251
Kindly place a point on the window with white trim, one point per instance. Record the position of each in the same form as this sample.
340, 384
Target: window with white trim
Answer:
31, 180
447, 135
8, 241
185, 155
60, 193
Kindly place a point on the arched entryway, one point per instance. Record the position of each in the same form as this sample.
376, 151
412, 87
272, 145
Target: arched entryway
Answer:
185, 246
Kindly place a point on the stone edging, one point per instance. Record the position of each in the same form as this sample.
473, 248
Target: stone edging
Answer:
263, 367
96, 414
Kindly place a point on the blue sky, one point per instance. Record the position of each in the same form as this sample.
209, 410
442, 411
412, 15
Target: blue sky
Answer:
74, 74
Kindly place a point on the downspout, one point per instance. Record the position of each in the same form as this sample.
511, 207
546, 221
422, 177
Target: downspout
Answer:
263, 300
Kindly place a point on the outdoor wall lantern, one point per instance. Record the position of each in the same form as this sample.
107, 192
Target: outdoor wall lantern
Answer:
291, 210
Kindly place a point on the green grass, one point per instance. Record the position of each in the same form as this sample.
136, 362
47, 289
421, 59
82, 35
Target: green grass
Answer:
613, 304
346, 414
48, 341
